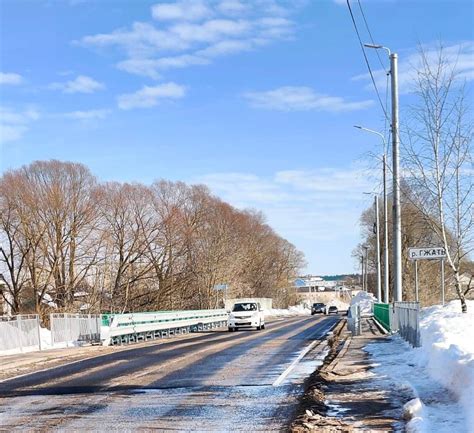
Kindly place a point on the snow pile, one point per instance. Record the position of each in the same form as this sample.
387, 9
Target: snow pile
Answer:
296, 310
365, 301
447, 336
440, 373
414, 412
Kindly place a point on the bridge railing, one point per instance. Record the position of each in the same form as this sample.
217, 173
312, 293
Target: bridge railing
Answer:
21, 332
133, 327
405, 319
74, 329
382, 314
354, 319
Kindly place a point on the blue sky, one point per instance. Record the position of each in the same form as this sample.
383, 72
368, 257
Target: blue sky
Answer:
255, 99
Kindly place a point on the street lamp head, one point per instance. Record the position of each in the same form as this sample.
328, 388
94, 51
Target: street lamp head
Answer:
378, 47
373, 46
358, 126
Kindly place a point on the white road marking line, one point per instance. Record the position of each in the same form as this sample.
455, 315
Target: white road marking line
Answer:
310, 346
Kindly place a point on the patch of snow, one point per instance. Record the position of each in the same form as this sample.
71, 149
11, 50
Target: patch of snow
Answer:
296, 310
365, 301
441, 372
414, 413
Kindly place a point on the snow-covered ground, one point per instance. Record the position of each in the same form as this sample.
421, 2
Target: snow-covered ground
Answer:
296, 310
441, 372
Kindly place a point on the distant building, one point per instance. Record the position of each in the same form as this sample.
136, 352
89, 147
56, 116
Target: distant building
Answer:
314, 284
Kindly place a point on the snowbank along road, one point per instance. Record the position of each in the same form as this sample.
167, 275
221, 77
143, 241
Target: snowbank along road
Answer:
214, 381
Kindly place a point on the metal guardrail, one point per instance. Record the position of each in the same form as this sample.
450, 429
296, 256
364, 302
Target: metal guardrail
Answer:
354, 320
134, 327
405, 319
75, 328
19, 332
382, 314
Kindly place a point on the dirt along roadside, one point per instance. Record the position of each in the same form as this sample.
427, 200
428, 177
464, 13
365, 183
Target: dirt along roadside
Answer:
344, 395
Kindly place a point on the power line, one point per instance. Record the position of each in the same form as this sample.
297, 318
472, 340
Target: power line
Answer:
366, 59
370, 34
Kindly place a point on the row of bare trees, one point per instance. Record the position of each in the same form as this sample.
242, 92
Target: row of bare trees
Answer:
70, 243
438, 182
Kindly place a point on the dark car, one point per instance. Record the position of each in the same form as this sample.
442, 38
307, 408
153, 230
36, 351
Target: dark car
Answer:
333, 310
318, 307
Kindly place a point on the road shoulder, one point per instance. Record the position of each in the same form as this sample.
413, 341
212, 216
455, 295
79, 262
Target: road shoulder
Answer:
345, 395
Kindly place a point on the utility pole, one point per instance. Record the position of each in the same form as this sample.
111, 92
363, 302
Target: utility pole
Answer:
377, 225
362, 278
366, 273
397, 229
385, 228
386, 288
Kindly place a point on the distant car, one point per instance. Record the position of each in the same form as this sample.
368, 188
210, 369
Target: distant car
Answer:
318, 307
246, 315
333, 309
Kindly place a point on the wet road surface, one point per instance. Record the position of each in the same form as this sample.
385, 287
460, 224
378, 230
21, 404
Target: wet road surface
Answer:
215, 381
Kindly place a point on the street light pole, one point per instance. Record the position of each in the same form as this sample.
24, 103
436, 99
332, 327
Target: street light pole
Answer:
385, 214
379, 274
385, 228
397, 230
366, 273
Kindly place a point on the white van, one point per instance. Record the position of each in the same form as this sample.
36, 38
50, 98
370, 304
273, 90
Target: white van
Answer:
246, 315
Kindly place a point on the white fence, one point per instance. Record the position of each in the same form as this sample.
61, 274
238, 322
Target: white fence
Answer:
20, 332
405, 319
75, 328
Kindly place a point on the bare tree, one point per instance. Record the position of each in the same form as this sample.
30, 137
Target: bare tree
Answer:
438, 149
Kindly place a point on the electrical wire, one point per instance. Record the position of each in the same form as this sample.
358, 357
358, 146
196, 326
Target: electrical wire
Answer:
366, 59
370, 35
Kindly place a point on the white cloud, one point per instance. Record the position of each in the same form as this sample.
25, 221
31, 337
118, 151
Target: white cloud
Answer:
317, 210
195, 33
187, 10
151, 96
81, 84
10, 78
232, 7
14, 123
87, 114
292, 98
458, 56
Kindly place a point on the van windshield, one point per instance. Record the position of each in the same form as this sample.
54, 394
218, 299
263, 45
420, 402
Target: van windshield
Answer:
245, 307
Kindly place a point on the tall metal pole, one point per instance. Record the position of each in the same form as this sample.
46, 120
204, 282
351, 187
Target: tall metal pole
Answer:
362, 271
397, 231
442, 282
377, 225
385, 228
366, 272
416, 281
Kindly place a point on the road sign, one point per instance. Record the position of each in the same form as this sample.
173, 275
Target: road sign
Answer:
426, 253
220, 287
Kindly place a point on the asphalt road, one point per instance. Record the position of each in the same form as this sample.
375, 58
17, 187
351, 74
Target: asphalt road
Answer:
214, 381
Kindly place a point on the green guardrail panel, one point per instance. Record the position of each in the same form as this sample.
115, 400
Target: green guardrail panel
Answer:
382, 314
